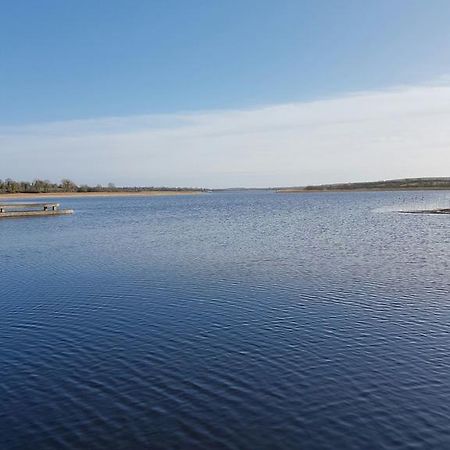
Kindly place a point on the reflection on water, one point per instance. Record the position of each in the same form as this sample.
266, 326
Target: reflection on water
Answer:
235, 321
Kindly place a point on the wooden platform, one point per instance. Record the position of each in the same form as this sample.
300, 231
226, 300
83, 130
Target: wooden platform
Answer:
11, 210
29, 205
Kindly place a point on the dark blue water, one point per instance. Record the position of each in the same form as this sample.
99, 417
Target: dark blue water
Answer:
227, 321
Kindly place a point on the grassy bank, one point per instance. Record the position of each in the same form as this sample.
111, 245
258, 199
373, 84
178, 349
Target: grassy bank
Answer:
406, 184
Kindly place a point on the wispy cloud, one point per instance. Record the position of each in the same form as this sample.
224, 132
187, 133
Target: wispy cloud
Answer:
359, 136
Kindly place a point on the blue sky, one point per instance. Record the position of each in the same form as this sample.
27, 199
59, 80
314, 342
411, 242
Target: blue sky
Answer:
98, 60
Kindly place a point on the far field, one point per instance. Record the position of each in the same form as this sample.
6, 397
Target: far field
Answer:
386, 185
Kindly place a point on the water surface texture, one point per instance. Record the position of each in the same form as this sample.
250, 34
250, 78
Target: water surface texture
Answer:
227, 321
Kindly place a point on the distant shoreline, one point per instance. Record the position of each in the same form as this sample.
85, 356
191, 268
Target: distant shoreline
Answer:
392, 189
22, 196
403, 184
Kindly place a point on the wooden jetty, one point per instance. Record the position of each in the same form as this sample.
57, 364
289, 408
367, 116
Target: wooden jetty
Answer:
10, 210
428, 211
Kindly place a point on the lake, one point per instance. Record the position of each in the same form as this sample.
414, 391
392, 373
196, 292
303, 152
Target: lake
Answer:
234, 320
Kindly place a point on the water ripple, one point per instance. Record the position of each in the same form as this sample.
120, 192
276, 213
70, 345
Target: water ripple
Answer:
228, 321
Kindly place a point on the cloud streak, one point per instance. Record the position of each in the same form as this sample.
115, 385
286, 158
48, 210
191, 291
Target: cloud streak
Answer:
393, 133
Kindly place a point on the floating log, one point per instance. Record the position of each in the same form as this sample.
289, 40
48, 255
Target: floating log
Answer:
9, 210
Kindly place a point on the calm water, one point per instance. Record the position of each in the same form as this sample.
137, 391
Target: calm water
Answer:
235, 321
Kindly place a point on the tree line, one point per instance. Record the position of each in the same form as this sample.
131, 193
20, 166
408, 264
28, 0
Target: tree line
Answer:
37, 186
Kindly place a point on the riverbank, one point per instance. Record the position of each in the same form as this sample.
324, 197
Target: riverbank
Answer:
403, 184
22, 196
392, 189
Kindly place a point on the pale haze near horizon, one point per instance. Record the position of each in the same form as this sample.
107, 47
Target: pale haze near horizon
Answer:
402, 132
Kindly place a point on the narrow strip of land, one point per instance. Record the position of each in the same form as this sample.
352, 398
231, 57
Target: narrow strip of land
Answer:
95, 194
405, 184
428, 211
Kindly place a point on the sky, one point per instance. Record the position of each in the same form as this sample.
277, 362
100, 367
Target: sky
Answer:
248, 93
